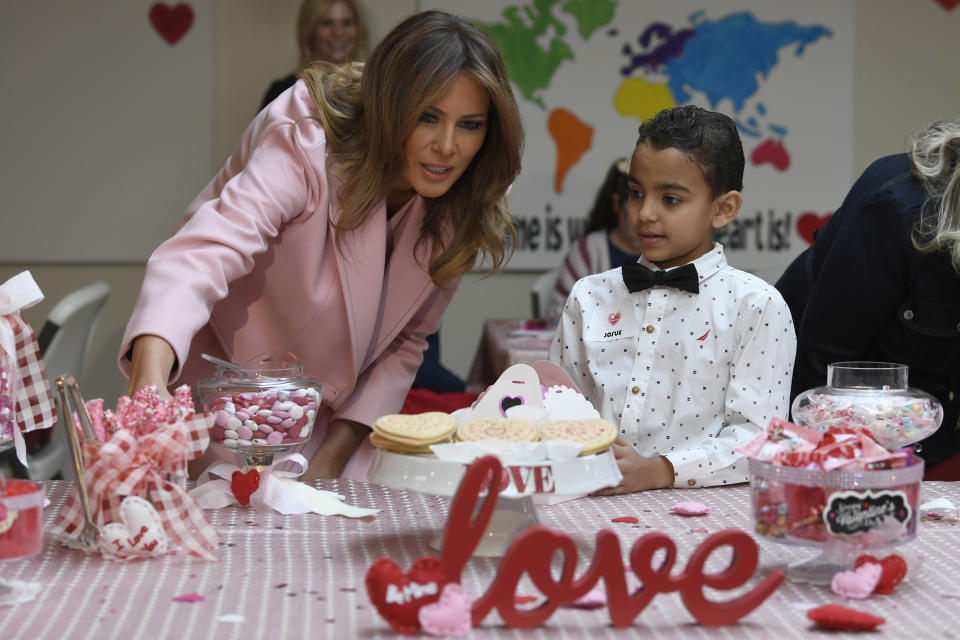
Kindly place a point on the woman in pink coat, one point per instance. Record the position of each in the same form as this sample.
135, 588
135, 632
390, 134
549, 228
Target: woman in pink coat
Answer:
339, 229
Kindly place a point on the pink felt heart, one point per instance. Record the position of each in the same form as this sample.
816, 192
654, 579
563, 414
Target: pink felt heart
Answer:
690, 509
859, 583
139, 534
449, 616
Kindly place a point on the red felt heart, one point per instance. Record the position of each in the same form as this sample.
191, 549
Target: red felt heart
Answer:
949, 5
833, 616
244, 485
171, 22
398, 596
894, 571
809, 222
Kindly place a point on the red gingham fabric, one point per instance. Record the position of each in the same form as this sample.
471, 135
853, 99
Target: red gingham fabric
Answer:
147, 466
36, 407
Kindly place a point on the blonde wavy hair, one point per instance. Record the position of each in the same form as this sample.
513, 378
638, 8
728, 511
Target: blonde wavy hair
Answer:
368, 112
309, 15
936, 162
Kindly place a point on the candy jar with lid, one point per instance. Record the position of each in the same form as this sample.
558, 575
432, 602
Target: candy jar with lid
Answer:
873, 396
260, 408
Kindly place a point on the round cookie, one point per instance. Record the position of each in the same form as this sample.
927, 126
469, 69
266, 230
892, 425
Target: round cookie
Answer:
417, 430
595, 434
509, 429
381, 443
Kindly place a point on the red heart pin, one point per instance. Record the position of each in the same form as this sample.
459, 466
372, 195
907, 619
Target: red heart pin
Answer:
398, 596
172, 23
244, 485
613, 318
809, 222
949, 5
894, 571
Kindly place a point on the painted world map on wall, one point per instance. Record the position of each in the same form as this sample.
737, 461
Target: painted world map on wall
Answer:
586, 72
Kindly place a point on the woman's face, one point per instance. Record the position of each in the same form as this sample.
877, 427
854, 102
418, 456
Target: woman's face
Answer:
335, 36
448, 135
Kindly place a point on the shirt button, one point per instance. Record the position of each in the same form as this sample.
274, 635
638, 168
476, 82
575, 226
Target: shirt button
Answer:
635, 390
649, 328
908, 315
691, 482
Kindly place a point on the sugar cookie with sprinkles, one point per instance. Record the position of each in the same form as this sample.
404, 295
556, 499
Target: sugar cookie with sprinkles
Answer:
595, 435
509, 429
412, 433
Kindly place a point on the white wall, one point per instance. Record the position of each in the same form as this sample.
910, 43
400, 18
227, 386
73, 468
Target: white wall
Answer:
905, 62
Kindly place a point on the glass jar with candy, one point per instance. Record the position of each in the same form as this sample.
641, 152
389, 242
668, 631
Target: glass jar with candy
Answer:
872, 396
260, 408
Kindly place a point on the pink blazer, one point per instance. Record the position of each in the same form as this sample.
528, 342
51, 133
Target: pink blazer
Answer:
254, 271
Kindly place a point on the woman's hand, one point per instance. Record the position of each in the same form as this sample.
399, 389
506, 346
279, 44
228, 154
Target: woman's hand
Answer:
639, 473
343, 438
151, 360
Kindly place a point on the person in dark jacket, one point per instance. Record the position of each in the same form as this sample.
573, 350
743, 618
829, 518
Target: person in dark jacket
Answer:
881, 281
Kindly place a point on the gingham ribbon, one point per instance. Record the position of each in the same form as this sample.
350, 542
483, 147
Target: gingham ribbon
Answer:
130, 466
20, 357
36, 407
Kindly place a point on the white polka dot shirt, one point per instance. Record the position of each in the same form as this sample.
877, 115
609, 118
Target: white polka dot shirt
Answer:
686, 376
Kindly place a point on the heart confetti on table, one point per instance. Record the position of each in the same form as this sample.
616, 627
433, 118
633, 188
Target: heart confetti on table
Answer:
894, 571
139, 534
859, 583
398, 596
690, 508
449, 616
172, 23
835, 616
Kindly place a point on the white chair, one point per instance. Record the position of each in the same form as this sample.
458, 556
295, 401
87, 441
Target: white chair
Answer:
541, 293
64, 342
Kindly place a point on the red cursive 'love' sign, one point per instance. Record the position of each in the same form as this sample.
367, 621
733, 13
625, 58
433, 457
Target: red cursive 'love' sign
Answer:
533, 551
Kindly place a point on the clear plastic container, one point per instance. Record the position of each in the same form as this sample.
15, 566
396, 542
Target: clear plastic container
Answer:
872, 396
260, 408
21, 518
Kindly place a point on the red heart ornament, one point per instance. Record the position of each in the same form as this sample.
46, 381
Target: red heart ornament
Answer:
949, 5
244, 485
894, 571
398, 596
172, 23
809, 222
834, 616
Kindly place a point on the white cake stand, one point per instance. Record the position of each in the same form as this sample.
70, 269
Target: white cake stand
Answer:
514, 510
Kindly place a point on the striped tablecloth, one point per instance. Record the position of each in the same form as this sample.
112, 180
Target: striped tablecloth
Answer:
302, 576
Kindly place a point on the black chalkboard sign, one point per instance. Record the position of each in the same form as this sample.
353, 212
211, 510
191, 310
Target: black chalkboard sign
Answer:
851, 512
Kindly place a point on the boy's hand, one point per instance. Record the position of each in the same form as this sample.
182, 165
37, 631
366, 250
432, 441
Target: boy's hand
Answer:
639, 473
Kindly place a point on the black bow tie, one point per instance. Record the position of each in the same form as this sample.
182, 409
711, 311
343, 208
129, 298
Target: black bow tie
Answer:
638, 278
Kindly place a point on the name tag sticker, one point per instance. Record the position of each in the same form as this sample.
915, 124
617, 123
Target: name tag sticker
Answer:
612, 321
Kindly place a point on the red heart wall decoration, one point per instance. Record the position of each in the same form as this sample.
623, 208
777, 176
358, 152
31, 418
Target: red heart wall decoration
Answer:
398, 596
809, 222
172, 23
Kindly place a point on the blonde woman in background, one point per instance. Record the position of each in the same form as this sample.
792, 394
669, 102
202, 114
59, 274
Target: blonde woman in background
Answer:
881, 282
327, 30
339, 229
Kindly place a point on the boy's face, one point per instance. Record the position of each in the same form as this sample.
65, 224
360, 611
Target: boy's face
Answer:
671, 209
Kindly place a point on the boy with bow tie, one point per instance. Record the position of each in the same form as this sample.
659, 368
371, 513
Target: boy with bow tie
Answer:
688, 356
